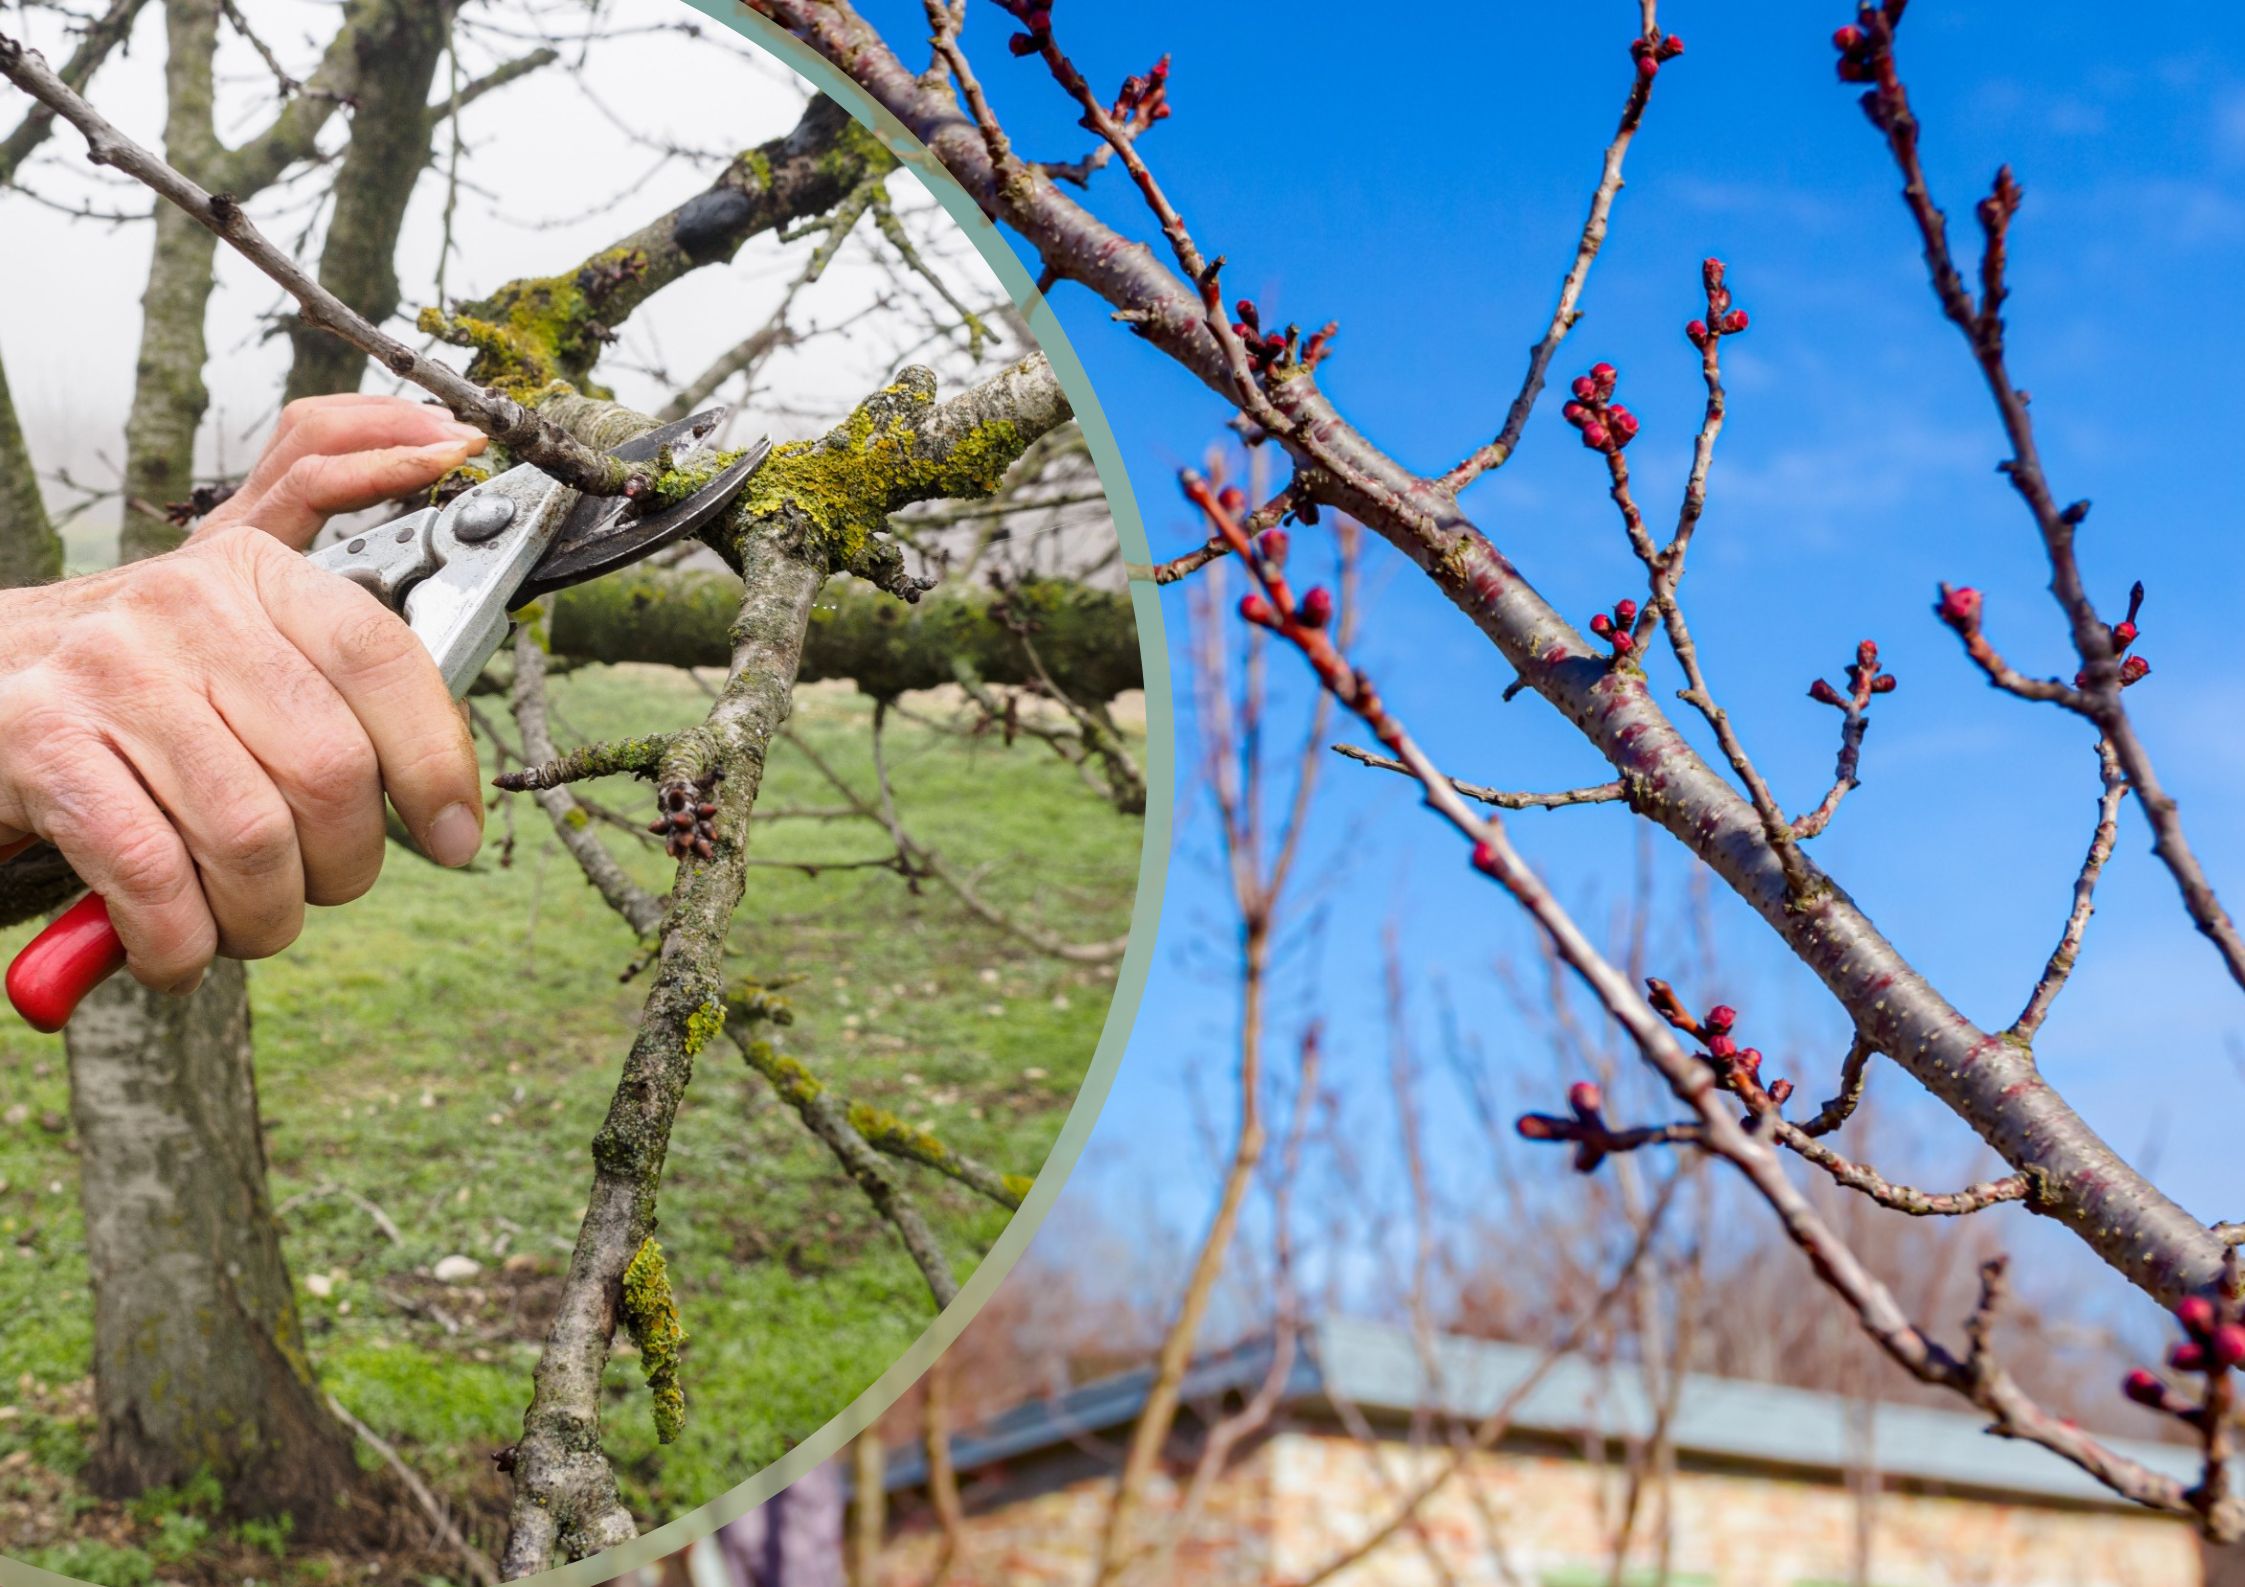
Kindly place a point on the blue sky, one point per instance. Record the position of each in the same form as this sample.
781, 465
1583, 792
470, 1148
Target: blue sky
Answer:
1423, 181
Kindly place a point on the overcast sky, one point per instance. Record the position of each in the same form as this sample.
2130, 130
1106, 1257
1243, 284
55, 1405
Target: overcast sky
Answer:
557, 166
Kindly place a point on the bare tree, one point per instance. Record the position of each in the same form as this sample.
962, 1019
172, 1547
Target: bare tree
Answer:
1725, 814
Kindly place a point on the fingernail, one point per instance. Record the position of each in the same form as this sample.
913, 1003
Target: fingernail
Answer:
443, 449
187, 987
466, 432
455, 835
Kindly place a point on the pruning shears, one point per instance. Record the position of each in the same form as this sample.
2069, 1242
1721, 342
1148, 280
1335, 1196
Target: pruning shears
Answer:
453, 573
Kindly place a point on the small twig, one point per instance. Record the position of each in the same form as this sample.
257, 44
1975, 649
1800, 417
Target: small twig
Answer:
2101, 841
1596, 794
1565, 313
440, 1520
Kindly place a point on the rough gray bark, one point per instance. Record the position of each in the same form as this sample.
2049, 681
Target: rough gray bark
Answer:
198, 1356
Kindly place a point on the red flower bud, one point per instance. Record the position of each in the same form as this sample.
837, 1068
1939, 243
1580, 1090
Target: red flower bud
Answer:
1247, 311
1602, 626
1594, 436
1622, 419
1883, 683
2141, 1386
1824, 694
1584, 387
1536, 1127
1604, 375
1722, 1045
1647, 66
1847, 38
1585, 1098
1672, 45
1232, 499
1255, 609
1695, 331
1317, 606
1720, 1018
2196, 1314
1750, 1060
1272, 543
1959, 608
2189, 1356
2134, 670
1574, 413
2228, 1344
1485, 858
1735, 323
1022, 44
1624, 641
2123, 635
1779, 1090
1625, 611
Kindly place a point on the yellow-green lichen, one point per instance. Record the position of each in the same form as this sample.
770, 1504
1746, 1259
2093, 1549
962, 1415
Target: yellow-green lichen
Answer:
703, 1024
456, 482
856, 154
539, 329
651, 1317
884, 1129
846, 485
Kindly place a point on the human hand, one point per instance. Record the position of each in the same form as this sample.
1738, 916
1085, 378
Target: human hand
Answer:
330, 455
207, 735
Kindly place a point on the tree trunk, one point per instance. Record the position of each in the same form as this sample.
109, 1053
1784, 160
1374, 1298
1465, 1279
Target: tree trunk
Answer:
199, 1359
169, 397
30, 551
390, 136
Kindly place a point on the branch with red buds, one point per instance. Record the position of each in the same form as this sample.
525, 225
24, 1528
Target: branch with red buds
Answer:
1592, 410
1867, 56
2133, 669
1693, 1082
1864, 680
1647, 52
1960, 608
2212, 1347
1614, 629
1594, 1140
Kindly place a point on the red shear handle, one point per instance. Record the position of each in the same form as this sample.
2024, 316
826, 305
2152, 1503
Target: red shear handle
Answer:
70, 958
75, 954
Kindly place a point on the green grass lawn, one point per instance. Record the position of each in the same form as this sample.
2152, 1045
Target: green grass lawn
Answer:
445, 1049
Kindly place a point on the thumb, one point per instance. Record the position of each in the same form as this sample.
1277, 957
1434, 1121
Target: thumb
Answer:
317, 487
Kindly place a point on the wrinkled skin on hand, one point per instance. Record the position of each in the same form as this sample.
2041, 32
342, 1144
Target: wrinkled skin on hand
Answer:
207, 736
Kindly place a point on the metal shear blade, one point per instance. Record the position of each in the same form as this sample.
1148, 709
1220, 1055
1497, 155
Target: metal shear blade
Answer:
602, 534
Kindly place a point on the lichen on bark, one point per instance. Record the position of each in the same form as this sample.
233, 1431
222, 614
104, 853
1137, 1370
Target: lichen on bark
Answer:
651, 1316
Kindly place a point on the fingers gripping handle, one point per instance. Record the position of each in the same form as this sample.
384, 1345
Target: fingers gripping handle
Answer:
75, 954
